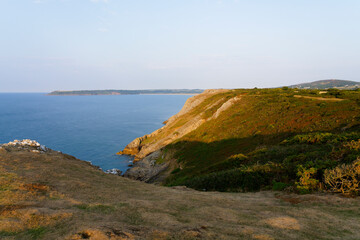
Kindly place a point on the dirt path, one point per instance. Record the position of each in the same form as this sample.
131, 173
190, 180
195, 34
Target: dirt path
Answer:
320, 98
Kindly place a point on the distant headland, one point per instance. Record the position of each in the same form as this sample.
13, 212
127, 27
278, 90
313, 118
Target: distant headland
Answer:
328, 83
128, 92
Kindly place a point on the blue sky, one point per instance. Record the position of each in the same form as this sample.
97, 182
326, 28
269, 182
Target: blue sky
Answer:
146, 44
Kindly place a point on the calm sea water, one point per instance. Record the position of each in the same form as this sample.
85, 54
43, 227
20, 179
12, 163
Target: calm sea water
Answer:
91, 128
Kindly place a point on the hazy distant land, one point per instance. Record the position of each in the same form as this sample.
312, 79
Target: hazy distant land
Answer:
321, 84
326, 84
127, 92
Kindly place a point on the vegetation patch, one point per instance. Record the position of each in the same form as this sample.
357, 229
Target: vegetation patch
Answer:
344, 178
99, 208
270, 139
36, 233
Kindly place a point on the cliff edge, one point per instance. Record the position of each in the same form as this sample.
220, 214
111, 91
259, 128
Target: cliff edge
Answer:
188, 119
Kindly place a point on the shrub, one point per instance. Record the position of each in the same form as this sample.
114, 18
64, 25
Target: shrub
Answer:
318, 138
353, 145
322, 105
234, 161
307, 182
334, 92
176, 170
321, 138
279, 186
231, 180
344, 178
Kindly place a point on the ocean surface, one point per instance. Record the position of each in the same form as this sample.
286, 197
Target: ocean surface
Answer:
91, 128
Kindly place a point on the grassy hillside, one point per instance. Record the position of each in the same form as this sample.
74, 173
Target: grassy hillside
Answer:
50, 195
326, 84
268, 138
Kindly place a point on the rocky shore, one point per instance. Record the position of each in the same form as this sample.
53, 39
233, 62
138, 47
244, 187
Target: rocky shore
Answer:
147, 169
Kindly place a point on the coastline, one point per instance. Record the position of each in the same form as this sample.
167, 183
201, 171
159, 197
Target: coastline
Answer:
190, 94
128, 92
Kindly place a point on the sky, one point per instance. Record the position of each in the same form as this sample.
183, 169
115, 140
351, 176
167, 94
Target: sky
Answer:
48, 45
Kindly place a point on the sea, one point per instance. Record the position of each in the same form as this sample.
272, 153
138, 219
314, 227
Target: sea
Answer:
91, 128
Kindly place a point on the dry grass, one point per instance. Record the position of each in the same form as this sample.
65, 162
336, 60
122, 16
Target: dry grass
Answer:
55, 196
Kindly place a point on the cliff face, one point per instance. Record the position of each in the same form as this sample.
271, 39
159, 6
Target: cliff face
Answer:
177, 126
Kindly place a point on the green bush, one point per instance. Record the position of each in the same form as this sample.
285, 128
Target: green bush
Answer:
321, 138
176, 170
306, 182
234, 161
279, 186
231, 180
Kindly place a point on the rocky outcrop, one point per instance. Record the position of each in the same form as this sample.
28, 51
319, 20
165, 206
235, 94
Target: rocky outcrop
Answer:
32, 146
193, 102
114, 171
147, 169
225, 106
26, 144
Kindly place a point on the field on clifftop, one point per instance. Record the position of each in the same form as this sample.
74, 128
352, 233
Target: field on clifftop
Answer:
50, 195
251, 139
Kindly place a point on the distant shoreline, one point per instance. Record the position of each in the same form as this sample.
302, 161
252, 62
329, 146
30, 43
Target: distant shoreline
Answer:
122, 94
167, 94
127, 92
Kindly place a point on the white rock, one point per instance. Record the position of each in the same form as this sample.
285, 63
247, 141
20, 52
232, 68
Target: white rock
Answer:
114, 171
27, 143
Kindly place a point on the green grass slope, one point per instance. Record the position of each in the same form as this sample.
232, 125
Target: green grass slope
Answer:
270, 138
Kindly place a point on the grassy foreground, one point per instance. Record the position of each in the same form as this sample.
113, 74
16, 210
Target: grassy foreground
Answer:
55, 196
